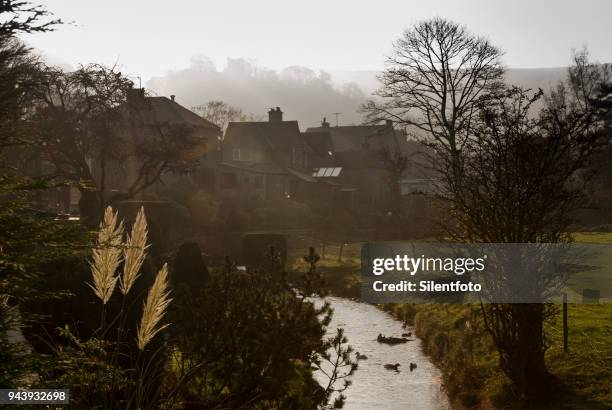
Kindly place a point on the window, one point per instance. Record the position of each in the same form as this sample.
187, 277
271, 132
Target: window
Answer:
242, 155
327, 172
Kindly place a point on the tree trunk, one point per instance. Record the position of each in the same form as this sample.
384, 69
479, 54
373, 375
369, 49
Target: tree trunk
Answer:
89, 207
517, 330
535, 376
525, 355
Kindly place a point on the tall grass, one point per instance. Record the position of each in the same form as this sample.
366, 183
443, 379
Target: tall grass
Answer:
134, 253
154, 309
106, 256
112, 250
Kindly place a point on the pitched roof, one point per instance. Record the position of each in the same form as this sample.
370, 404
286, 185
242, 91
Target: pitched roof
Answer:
279, 136
319, 142
156, 110
353, 137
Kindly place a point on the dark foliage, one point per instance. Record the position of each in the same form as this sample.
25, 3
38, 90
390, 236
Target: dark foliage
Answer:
246, 339
189, 265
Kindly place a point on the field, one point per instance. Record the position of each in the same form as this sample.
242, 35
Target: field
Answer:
470, 363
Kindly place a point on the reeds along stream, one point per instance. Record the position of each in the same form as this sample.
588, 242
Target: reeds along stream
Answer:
377, 387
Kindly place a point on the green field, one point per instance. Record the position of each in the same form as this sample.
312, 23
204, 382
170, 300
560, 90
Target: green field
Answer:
593, 237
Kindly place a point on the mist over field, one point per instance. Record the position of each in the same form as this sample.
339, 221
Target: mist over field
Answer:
304, 94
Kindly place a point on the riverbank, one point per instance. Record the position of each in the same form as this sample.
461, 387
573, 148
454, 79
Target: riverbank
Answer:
454, 337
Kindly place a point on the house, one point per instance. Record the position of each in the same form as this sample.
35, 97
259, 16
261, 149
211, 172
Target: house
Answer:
322, 149
343, 166
270, 160
151, 127
358, 166
137, 133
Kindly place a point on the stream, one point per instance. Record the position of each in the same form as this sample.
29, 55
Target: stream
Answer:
373, 386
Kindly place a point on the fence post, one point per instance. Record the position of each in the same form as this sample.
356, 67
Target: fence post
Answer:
340, 254
565, 322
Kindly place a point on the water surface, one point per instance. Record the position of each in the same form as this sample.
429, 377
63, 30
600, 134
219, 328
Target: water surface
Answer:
375, 387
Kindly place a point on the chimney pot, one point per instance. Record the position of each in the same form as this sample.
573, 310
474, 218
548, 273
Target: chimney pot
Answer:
172, 97
275, 115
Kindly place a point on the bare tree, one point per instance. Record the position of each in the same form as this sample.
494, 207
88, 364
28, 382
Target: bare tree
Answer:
434, 80
157, 148
18, 66
523, 176
221, 114
86, 123
76, 113
587, 80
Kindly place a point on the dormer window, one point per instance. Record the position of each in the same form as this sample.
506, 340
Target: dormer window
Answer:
242, 155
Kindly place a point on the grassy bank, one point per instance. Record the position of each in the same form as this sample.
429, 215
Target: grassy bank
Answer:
455, 338
340, 270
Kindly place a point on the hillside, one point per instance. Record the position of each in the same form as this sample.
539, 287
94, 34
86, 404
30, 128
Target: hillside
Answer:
302, 93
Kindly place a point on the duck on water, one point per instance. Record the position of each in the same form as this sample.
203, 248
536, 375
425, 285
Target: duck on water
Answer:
395, 366
374, 386
390, 340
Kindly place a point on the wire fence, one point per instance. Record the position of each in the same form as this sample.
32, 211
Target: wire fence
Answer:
593, 347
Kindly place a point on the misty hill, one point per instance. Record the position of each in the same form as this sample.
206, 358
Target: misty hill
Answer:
302, 93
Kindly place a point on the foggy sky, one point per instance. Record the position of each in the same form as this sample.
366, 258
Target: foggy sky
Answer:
149, 38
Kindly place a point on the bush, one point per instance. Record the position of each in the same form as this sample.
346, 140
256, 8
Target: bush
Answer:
247, 340
256, 248
189, 266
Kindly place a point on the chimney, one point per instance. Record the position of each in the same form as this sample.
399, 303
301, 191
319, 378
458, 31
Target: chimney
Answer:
172, 97
135, 95
275, 115
325, 124
389, 124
